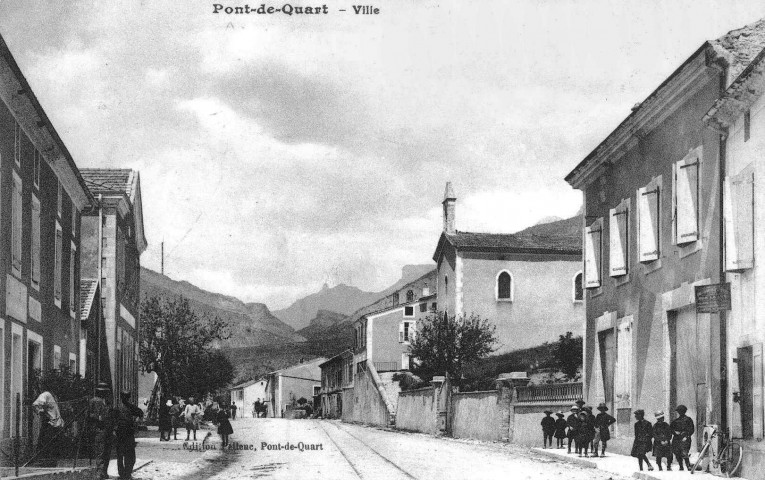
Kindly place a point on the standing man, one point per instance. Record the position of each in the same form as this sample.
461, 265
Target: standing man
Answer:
603, 422
662, 437
682, 428
573, 426
100, 428
125, 430
233, 411
548, 428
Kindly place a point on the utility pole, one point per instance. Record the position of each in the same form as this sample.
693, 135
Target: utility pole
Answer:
163, 258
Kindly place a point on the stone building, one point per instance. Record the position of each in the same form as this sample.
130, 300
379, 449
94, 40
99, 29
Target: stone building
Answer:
336, 376
42, 197
529, 284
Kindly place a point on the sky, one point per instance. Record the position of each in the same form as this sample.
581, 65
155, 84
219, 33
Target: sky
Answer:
278, 153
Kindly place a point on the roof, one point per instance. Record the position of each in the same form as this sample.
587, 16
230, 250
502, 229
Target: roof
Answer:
342, 354
246, 384
739, 96
737, 48
562, 236
108, 181
88, 289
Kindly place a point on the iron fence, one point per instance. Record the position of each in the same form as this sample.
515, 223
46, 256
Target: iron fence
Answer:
554, 392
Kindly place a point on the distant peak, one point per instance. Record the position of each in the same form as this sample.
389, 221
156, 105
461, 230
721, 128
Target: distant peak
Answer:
325, 286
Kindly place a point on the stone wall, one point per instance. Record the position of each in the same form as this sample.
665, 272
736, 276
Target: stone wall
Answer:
367, 404
416, 411
477, 415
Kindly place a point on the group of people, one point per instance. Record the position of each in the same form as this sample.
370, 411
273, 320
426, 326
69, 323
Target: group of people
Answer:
582, 428
587, 432
174, 413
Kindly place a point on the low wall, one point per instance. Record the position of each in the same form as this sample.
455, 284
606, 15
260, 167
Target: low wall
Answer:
368, 406
477, 415
416, 411
526, 419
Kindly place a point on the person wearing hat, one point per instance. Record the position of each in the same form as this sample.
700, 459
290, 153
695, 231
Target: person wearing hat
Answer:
573, 426
100, 426
548, 428
643, 440
164, 420
591, 429
125, 432
662, 438
560, 429
603, 422
584, 434
682, 428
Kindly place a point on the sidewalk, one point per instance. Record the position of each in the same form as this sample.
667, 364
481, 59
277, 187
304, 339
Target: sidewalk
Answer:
139, 463
624, 465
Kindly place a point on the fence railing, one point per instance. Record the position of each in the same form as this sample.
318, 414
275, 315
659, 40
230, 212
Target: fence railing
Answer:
386, 366
554, 392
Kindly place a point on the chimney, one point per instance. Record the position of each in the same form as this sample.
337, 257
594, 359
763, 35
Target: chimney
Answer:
449, 202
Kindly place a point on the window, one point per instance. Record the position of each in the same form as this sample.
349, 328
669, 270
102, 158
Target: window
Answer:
619, 239
423, 307
316, 390
57, 268
409, 296
686, 199
409, 311
434, 306
648, 208
446, 284
36, 169
56, 357
17, 144
16, 225
592, 259
749, 366
405, 364
395, 299
406, 331
73, 363
59, 199
739, 220
74, 221
747, 125
578, 288
35, 243
72, 289
504, 287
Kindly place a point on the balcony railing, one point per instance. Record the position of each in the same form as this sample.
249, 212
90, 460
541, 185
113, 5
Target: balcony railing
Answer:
554, 392
386, 366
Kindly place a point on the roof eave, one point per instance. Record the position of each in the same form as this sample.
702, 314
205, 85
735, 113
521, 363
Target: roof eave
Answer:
739, 96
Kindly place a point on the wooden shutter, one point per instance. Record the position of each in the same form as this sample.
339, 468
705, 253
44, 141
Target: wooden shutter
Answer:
739, 221
16, 227
687, 201
401, 332
617, 239
57, 266
757, 404
648, 223
35, 241
592, 259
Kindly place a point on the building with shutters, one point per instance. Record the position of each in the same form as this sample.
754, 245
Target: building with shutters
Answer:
246, 394
740, 117
286, 386
652, 199
42, 198
529, 284
112, 242
336, 376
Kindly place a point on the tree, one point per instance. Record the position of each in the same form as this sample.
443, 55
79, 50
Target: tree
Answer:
568, 354
446, 344
179, 346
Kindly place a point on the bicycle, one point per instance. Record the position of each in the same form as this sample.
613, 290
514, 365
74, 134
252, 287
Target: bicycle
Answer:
728, 458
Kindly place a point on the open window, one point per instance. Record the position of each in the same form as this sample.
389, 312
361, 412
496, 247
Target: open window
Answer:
619, 239
504, 286
739, 221
686, 199
648, 199
593, 258
407, 331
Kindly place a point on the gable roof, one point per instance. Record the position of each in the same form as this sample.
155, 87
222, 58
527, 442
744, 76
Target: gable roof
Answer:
109, 181
740, 96
735, 49
88, 289
562, 237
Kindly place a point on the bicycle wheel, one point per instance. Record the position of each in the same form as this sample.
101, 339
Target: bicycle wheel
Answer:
730, 459
702, 454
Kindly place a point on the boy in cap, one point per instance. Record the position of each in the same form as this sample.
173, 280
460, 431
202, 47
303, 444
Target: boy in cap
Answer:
560, 429
548, 428
642, 443
603, 422
573, 426
682, 428
662, 437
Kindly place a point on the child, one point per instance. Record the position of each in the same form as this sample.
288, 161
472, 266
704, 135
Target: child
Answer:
602, 433
175, 418
642, 443
662, 437
224, 426
560, 429
548, 428
584, 434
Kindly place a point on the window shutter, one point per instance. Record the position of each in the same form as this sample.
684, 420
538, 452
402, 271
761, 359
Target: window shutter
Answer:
618, 241
57, 267
687, 198
739, 222
35, 241
401, 332
757, 406
16, 223
648, 223
412, 331
592, 255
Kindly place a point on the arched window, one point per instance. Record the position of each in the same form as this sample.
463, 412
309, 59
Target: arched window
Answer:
578, 288
446, 284
409, 296
504, 288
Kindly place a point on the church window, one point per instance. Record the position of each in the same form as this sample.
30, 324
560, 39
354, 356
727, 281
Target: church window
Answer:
504, 286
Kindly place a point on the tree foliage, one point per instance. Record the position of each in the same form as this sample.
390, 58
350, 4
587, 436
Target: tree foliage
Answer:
445, 344
179, 346
568, 354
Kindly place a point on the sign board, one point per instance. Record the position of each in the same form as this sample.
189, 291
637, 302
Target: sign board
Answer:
713, 298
